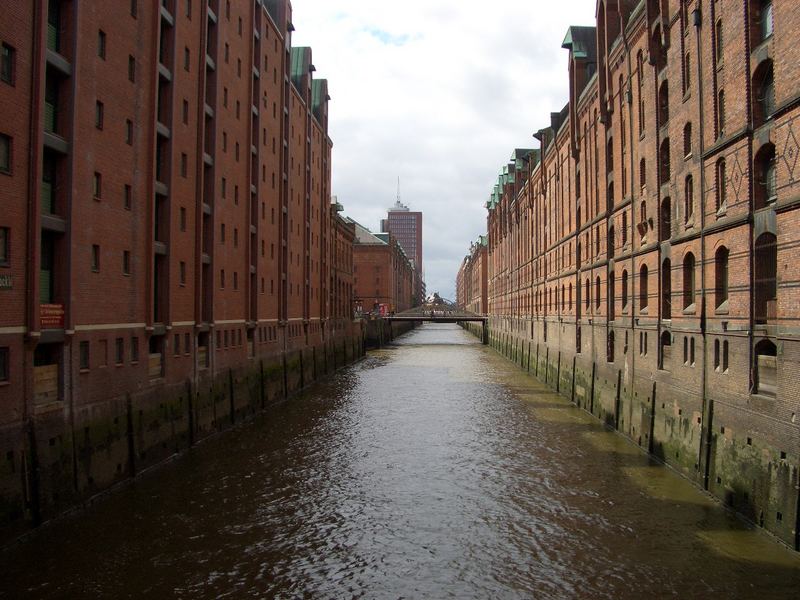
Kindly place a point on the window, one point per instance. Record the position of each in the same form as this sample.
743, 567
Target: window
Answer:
239, 67
225, 97
624, 289
126, 262
721, 185
664, 162
721, 113
177, 343
5, 367
131, 68
721, 276
224, 186
183, 218
5, 154
185, 112
642, 175
716, 355
597, 292
639, 80
235, 280
610, 347
84, 356
643, 288
134, 349
718, 41
688, 198
189, 9
5, 243
666, 351
687, 140
183, 273
187, 346
666, 289
766, 284
134, 8
95, 258
663, 104
765, 19
186, 59
725, 356
687, 73
222, 233
127, 197
688, 281
128, 132
101, 44
184, 164
691, 351
98, 115
764, 93
119, 352
222, 278
7, 64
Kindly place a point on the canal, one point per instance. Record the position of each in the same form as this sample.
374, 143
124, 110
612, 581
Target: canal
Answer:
432, 469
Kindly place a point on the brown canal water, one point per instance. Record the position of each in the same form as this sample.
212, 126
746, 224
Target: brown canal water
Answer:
432, 469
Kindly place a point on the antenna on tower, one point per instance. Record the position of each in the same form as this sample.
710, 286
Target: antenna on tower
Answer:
398, 189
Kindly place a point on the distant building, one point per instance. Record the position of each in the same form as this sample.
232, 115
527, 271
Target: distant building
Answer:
406, 226
382, 273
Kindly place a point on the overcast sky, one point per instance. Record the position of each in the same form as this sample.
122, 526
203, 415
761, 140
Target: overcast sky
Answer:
439, 93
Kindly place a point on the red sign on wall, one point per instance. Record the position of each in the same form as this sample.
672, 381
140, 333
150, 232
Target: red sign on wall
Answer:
51, 316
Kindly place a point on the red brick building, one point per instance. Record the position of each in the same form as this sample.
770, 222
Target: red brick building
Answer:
165, 237
471, 281
643, 260
382, 273
342, 238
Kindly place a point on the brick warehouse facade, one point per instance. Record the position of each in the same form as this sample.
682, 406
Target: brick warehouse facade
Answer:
144, 307
382, 273
643, 260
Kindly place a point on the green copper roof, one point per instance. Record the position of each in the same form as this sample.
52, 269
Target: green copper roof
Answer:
319, 96
301, 64
582, 41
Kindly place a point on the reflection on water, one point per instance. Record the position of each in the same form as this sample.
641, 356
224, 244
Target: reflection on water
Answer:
432, 469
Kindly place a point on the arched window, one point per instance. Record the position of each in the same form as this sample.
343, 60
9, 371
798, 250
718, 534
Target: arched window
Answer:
610, 200
763, 93
721, 113
716, 355
642, 175
610, 156
665, 222
643, 288
639, 85
612, 296
765, 19
624, 227
721, 276
597, 292
687, 140
765, 188
666, 289
562, 297
611, 242
663, 103
665, 355
570, 296
722, 183
586, 292
765, 368
766, 283
664, 163
718, 41
624, 289
610, 347
688, 199
688, 280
